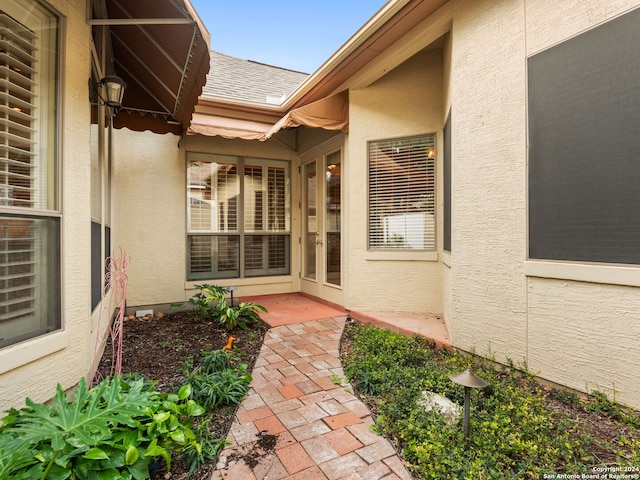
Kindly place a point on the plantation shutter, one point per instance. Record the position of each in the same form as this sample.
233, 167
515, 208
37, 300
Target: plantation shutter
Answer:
402, 193
17, 121
277, 221
253, 198
29, 241
17, 171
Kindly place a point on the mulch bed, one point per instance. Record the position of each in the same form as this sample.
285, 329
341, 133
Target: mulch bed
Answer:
157, 346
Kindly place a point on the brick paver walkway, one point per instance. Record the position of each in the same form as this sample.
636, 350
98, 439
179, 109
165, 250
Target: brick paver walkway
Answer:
297, 422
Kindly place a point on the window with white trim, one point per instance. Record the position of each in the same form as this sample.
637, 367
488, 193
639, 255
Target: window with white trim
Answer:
29, 214
402, 194
238, 217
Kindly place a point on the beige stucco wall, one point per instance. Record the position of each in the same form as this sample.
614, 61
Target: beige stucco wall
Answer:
149, 185
36, 372
584, 334
574, 328
407, 101
488, 131
150, 206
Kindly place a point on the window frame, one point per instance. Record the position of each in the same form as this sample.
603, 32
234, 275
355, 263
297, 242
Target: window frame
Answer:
582, 200
241, 233
46, 318
394, 252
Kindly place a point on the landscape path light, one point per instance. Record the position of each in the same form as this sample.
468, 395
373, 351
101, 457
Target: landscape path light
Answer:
468, 380
231, 289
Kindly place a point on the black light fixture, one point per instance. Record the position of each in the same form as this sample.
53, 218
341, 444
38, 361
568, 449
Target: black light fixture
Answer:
231, 289
114, 91
468, 380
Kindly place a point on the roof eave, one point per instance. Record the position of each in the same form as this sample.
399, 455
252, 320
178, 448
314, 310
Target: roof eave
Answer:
357, 39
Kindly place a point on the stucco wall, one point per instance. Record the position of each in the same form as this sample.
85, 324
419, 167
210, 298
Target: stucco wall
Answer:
407, 101
583, 334
149, 179
488, 170
73, 346
150, 176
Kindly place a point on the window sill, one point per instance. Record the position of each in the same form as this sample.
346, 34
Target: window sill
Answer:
404, 256
239, 282
29, 351
584, 272
445, 257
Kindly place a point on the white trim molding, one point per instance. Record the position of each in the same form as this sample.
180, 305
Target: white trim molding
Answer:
627, 275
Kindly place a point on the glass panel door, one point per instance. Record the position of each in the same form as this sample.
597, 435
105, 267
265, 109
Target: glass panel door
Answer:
332, 218
321, 226
311, 221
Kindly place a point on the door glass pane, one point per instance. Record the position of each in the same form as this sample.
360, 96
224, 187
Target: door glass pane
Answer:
332, 218
310, 220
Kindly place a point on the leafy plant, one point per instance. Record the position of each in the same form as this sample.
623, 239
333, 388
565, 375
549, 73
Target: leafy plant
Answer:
110, 431
224, 387
210, 302
215, 360
217, 381
201, 301
513, 433
209, 446
240, 316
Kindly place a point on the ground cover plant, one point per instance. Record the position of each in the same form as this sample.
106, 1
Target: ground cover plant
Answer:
519, 428
158, 398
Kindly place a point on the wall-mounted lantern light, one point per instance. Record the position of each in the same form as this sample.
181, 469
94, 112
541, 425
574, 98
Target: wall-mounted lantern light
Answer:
468, 380
114, 91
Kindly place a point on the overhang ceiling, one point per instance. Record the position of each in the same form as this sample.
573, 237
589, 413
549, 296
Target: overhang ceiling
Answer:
161, 50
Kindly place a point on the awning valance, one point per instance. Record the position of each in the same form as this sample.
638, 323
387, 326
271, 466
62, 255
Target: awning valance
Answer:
161, 50
226, 127
331, 113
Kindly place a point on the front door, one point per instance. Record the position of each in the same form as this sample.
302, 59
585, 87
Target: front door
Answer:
321, 226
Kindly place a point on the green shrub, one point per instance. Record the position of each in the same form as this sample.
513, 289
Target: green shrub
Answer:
513, 434
218, 381
110, 431
201, 301
210, 302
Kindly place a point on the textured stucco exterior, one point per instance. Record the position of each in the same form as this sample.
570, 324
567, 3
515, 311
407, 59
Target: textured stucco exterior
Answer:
574, 324
578, 331
33, 368
407, 101
584, 334
150, 191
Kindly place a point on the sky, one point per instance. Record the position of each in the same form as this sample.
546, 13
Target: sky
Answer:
295, 34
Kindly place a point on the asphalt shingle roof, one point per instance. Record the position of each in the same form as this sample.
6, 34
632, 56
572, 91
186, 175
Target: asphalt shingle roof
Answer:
249, 80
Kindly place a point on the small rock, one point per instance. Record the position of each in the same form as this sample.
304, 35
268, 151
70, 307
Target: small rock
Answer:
445, 407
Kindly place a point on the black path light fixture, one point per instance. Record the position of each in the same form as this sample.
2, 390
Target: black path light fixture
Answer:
468, 380
114, 91
231, 289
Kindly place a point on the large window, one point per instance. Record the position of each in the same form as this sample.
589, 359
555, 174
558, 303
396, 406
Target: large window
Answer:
29, 215
238, 216
584, 136
402, 194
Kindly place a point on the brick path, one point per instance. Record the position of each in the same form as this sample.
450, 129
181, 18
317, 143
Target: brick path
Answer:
297, 423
